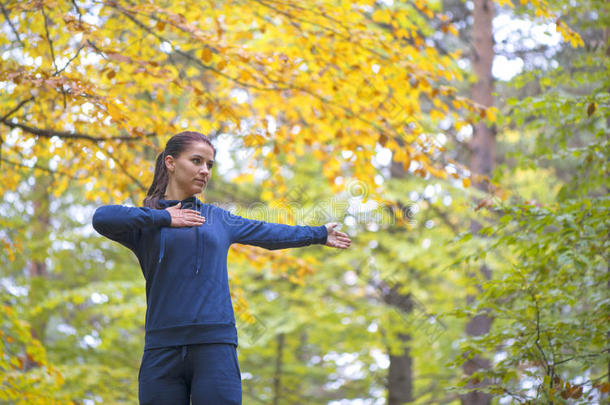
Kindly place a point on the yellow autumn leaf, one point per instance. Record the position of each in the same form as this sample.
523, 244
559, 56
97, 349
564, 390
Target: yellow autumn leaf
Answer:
382, 15
492, 114
206, 55
114, 111
267, 195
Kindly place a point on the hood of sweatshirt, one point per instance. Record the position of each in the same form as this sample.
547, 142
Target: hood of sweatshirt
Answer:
191, 203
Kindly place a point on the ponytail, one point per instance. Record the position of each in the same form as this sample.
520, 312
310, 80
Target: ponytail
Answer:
159, 184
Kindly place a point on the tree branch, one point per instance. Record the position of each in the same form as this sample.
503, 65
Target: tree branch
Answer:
118, 163
191, 58
80, 14
124, 169
21, 104
48, 133
323, 15
46, 169
70, 61
49, 40
10, 23
348, 38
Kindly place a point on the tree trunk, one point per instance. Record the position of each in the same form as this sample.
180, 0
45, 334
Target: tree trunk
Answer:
277, 381
482, 162
607, 42
400, 377
400, 373
37, 268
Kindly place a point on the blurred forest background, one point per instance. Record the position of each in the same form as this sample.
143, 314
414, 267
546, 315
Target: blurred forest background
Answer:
463, 145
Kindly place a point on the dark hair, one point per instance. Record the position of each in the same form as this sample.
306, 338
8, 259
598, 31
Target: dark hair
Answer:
174, 147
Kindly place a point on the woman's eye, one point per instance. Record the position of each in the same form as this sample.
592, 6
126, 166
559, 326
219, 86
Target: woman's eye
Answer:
196, 161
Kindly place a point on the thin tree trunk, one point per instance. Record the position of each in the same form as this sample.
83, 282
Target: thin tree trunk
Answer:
277, 380
37, 268
400, 375
607, 42
482, 162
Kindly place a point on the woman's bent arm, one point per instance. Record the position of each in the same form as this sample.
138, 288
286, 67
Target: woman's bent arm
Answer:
123, 224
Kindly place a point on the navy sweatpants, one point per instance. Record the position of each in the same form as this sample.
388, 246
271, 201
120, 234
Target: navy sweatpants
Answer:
207, 374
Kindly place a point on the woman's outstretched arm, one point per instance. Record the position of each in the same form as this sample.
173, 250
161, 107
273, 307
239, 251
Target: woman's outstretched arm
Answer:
274, 236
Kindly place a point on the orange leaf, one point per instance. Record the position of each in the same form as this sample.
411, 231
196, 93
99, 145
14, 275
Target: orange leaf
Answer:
206, 55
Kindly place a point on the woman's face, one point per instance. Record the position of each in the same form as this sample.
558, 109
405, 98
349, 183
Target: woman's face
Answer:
191, 170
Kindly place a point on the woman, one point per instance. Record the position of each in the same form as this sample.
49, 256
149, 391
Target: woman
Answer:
182, 245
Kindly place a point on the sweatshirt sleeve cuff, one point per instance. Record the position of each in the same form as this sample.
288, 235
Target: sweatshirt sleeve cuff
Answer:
161, 218
320, 234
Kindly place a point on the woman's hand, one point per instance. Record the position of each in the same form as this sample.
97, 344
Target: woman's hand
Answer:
184, 217
335, 238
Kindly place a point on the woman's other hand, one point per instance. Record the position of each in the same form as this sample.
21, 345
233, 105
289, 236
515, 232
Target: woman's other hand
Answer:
184, 217
336, 238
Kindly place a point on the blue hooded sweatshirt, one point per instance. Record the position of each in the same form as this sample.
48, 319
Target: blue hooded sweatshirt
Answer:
187, 286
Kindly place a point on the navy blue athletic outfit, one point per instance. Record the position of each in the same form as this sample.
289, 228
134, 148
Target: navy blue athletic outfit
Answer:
191, 338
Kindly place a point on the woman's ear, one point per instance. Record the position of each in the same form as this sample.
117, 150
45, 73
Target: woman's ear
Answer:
169, 163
